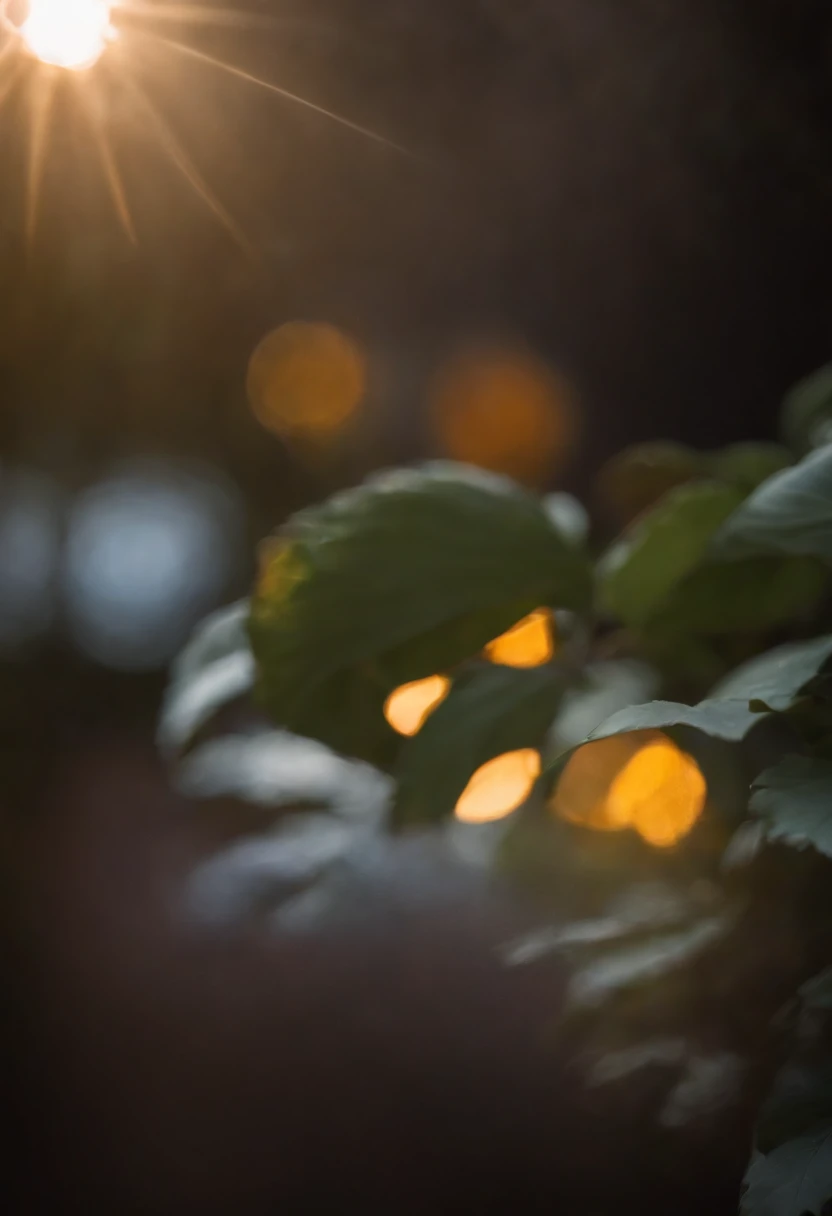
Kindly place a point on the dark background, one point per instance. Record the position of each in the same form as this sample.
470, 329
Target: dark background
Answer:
640, 191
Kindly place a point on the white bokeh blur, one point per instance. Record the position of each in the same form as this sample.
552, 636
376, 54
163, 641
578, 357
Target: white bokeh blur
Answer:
149, 550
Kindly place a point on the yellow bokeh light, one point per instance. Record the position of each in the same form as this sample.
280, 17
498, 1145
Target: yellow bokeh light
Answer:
67, 33
506, 411
640, 780
306, 379
529, 643
499, 787
408, 708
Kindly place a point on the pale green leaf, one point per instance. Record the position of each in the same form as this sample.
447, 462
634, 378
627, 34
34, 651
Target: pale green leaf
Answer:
794, 1180
807, 411
791, 514
214, 669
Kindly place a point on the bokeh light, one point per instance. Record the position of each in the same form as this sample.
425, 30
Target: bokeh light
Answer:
640, 780
69, 34
408, 708
306, 380
529, 643
149, 550
499, 787
504, 410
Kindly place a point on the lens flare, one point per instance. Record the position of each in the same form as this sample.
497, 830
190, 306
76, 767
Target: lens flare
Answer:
529, 643
69, 34
499, 787
409, 707
640, 780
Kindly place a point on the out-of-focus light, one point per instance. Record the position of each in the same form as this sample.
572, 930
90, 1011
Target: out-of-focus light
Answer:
29, 549
506, 411
499, 787
530, 643
641, 780
306, 380
148, 552
660, 792
67, 33
408, 708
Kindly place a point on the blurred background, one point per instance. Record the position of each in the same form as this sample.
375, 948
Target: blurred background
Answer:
534, 231
601, 222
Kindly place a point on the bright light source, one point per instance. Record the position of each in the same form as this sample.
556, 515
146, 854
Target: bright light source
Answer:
641, 780
529, 643
67, 33
408, 707
499, 787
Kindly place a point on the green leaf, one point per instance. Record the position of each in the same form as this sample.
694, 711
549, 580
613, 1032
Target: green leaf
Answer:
735, 597
641, 569
747, 465
641, 963
795, 801
569, 516
396, 580
794, 1180
807, 411
769, 682
488, 712
775, 678
800, 1099
608, 687
639, 476
723, 719
214, 669
274, 769
817, 994
790, 514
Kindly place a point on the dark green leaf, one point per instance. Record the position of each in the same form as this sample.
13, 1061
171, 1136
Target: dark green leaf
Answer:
794, 1180
215, 668
817, 994
807, 411
747, 465
800, 1099
791, 514
637, 478
490, 711
794, 799
405, 576
734, 597
641, 569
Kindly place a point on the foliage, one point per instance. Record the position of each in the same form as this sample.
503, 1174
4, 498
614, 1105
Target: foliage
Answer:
714, 598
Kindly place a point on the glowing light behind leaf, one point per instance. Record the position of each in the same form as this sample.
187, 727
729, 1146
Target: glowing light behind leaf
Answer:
529, 643
69, 34
408, 708
499, 787
640, 780
306, 380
